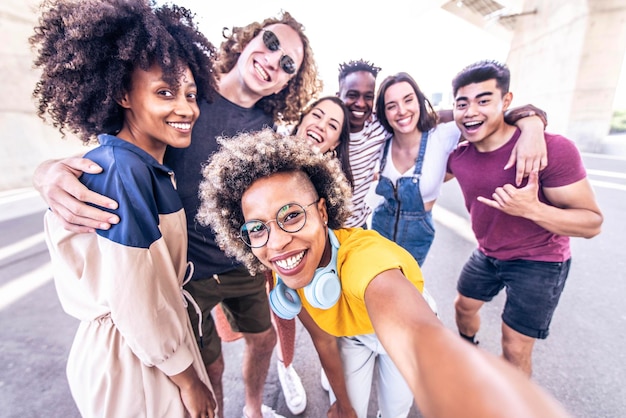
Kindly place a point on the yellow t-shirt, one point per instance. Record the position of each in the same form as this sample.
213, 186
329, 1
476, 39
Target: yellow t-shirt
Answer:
362, 255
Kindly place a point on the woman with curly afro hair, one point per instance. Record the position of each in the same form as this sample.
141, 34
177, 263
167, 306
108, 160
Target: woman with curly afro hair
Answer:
267, 74
127, 76
276, 205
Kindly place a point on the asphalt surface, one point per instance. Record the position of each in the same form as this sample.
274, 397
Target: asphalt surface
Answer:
582, 363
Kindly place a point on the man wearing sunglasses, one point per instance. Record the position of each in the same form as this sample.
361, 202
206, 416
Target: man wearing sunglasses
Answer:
267, 74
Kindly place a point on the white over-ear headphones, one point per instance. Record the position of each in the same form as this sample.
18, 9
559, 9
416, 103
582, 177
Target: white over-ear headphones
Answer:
323, 291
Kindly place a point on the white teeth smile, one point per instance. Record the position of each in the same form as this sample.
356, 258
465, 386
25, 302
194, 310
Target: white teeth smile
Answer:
404, 121
358, 114
180, 125
261, 72
315, 136
291, 262
470, 125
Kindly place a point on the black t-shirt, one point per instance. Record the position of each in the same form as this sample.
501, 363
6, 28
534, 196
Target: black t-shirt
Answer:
220, 118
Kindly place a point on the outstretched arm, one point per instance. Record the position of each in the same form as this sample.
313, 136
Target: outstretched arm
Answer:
448, 376
57, 182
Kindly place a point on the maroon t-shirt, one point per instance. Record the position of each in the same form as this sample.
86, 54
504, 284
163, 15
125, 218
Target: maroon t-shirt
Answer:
503, 236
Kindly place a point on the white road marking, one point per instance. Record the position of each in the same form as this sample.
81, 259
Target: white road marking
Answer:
604, 173
23, 285
456, 223
20, 246
608, 185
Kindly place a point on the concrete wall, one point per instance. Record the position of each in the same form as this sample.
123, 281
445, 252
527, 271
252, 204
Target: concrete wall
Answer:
566, 58
25, 140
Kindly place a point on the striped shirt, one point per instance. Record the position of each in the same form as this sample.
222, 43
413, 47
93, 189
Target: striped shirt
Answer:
365, 147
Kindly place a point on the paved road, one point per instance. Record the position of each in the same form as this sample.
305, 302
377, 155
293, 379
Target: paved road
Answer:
582, 363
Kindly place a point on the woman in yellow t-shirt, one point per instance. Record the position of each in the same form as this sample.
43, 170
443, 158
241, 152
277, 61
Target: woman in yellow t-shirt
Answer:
277, 205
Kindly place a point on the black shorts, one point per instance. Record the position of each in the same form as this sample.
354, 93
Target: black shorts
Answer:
533, 289
244, 300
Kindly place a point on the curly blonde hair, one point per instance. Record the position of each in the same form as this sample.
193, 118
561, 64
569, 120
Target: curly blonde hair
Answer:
285, 106
248, 157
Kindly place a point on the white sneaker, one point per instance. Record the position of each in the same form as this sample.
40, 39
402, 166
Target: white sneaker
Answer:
266, 411
294, 393
324, 380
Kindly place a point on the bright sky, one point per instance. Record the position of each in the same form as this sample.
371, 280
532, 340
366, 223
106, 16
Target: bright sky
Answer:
427, 42
397, 39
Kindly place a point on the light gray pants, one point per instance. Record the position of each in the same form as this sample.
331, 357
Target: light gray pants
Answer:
362, 357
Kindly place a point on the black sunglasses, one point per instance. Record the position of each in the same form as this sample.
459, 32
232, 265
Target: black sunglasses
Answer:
273, 44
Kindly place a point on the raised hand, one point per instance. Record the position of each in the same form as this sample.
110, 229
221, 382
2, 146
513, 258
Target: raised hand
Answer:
516, 201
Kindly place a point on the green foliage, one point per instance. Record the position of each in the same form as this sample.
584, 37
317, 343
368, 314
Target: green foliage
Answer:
618, 123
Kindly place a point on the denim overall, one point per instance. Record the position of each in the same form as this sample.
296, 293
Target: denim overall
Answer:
401, 217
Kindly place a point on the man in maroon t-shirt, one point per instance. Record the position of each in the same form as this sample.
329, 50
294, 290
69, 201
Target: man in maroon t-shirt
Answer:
522, 232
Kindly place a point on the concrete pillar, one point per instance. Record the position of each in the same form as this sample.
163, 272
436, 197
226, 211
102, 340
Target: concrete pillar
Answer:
25, 139
566, 58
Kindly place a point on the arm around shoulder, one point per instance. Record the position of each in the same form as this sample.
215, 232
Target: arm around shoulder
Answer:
513, 115
530, 152
57, 182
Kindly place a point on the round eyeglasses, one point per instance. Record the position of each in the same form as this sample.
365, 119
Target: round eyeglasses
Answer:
290, 218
